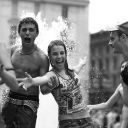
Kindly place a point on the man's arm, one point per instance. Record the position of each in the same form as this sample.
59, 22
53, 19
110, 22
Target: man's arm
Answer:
9, 78
108, 104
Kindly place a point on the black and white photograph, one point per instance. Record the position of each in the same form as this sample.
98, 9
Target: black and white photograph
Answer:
63, 64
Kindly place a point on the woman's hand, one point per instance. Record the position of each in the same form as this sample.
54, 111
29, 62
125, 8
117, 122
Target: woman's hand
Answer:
83, 61
81, 64
26, 82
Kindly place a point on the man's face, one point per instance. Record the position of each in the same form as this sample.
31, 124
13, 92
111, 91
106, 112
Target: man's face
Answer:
28, 33
115, 42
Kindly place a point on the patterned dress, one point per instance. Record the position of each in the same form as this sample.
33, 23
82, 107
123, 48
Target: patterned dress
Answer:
70, 100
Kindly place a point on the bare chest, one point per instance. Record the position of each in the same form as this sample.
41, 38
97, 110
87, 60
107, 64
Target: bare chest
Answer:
25, 63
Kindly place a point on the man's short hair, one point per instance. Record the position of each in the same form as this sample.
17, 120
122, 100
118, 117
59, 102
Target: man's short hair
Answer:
28, 20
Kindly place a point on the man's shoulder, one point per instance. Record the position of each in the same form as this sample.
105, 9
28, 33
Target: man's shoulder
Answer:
41, 55
51, 73
40, 52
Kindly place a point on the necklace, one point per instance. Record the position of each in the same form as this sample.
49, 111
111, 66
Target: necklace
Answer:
28, 52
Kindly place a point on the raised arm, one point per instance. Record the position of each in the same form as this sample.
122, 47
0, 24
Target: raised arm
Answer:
81, 64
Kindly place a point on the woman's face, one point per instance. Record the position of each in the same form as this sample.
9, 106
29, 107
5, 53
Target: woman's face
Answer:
58, 57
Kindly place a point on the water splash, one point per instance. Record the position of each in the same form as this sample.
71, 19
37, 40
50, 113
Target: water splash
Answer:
58, 29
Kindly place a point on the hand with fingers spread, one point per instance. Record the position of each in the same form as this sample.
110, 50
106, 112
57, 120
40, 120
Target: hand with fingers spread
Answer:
81, 64
26, 82
83, 61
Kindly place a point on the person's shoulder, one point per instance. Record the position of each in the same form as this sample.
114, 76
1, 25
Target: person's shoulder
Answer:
53, 76
51, 73
40, 53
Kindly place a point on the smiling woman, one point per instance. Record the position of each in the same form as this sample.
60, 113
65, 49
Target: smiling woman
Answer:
65, 86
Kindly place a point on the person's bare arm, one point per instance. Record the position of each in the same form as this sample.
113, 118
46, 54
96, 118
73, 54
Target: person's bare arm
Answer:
48, 82
9, 78
7, 73
81, 64
108, 104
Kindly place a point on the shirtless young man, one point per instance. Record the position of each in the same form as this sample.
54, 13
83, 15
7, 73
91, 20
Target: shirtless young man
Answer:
21, 107
119, 43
